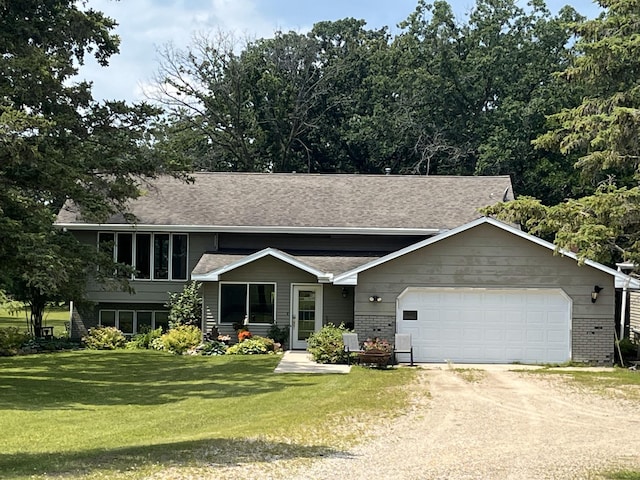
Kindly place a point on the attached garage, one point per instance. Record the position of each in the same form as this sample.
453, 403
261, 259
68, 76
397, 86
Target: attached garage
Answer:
486, 292
482, 325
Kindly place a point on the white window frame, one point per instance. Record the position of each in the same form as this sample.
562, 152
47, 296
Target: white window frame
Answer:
134, 244
135, 318
275, 301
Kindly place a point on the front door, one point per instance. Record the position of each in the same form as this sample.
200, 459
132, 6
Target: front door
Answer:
306, 316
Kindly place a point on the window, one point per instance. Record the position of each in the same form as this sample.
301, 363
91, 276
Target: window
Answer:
255, 301
131, 322
409, 315
154, 256
143, 255
108, 318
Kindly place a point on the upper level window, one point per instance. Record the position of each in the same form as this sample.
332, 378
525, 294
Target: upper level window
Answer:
154, 256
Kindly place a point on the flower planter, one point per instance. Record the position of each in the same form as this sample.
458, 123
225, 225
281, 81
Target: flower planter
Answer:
373, 357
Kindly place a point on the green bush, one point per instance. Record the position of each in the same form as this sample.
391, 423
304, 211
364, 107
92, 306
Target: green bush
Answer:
104, 338
180, 340
326, 345
279, 334
11, 339
252, 346
185, 308
213, 347
144, 340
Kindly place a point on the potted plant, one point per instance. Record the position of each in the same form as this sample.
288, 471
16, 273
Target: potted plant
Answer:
375, 352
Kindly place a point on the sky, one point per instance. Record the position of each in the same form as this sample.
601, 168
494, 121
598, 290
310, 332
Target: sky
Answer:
145, 26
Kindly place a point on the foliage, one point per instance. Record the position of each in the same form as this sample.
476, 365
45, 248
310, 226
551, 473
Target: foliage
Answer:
209, 348
180, 339
11, 340
144, 340
59, 146
441, 97
45, 345
604, 227
185, 308
193, 404
252, 346
326, 345
628, 348
104, 338
244, 335
604, 129
279, 334
377, 344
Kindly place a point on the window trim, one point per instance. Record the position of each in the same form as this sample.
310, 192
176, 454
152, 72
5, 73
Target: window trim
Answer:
275, 301
134, 253
135, 318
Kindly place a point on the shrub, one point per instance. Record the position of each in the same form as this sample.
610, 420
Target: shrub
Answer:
185, 308
143, 340
252, 346
326, 345
213, 347
11, 339
180, 339
104, 338
279, 334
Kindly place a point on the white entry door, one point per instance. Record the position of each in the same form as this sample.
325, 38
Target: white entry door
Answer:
306, 313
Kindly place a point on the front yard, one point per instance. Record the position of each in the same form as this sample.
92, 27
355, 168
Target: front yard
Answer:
133, 414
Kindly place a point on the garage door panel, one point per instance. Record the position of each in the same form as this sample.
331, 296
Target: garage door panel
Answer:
495, 326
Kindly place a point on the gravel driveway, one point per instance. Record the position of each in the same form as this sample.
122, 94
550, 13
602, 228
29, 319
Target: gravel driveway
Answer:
496, 424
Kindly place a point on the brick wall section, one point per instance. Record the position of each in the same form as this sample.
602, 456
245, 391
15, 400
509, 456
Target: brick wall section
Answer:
593, 341
371, 326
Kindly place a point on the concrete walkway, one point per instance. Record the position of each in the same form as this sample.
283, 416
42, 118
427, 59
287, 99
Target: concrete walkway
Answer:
298, 361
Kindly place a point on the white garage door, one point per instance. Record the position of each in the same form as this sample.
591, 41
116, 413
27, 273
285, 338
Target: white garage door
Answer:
477, 325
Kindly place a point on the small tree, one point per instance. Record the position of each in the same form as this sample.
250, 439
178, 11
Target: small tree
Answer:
185, 308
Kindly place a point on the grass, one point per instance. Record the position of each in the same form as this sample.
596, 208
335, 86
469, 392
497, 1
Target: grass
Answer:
55, 317
618, 382
132, 414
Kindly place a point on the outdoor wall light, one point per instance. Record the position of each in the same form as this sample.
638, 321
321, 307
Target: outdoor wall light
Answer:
345, 292
375, 298
594, 294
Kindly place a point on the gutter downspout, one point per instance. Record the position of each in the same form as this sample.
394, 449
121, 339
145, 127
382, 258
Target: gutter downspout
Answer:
623, 309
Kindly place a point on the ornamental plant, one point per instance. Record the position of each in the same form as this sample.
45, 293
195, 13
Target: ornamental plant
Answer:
104, 338
180, 340
252, 346
326, 345
376, 344
244, 335
11, 339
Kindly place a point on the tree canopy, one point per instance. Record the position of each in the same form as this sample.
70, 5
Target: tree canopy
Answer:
57, 145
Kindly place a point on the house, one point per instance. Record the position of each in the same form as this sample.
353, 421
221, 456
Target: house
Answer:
380, 253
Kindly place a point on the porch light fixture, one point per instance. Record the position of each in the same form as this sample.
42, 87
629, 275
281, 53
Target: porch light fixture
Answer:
345, 292
594, 294
375, 298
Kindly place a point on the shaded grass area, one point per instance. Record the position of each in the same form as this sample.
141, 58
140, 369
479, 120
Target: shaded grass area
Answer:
53, 317
128, 414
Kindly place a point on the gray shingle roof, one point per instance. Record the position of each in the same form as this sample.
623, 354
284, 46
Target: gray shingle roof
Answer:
311, 200
332, 264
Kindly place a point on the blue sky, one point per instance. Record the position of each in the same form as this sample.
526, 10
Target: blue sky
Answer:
146, 25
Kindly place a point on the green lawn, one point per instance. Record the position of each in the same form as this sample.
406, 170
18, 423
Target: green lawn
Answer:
131, 414
55, 317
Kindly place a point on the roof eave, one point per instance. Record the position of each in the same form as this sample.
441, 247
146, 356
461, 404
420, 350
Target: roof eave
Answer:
249, 229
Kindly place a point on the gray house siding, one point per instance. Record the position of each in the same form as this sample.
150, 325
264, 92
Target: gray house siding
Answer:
336, 308
146, 292
317, 242
485, 256
634, 314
